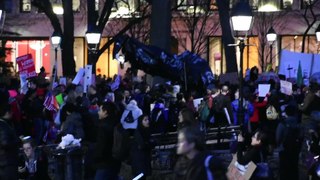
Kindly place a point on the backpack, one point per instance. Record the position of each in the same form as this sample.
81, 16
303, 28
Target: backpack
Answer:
129, 118
121, 143
292, 139
204, 111
271, 113
218, 105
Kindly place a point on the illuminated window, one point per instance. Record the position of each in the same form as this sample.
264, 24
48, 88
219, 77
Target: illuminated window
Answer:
25, 5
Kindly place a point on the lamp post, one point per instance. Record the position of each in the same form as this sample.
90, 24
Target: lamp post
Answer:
93, 40
271, 37
241, 19
55, 41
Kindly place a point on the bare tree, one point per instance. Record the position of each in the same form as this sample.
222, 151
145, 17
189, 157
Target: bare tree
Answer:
197, 23
263, 22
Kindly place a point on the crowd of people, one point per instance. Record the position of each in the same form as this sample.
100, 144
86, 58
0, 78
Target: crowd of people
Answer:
128, 105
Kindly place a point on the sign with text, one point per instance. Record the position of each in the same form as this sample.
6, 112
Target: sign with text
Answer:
26, 66
237, 171
286, 87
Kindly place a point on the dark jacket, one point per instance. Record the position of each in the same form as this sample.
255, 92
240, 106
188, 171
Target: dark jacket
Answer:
41, 167
8, 148
103, 150
245, 156
73, 125
141, 152
196, 168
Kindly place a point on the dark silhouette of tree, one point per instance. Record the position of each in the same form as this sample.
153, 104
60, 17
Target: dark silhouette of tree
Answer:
227, 38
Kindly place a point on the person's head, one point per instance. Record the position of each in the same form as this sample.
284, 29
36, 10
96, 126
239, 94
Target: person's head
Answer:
144, 121
92, 89
70, 108
224, 89
290, 110
107, 109
186, 116
28, 146
190, 139
259, 138
236, 94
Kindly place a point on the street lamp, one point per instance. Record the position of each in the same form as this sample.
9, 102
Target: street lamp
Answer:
271, 37
318, 33
93, 39
55, 41
241, 20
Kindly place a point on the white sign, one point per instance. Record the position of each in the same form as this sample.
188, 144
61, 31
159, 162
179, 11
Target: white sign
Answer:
78, 77
87, 77
286, 87
263, 89
196, 102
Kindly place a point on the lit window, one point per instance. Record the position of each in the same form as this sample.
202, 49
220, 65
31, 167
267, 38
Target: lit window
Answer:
25, 5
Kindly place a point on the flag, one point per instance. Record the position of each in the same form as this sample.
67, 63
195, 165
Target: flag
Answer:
299, 75
51, 103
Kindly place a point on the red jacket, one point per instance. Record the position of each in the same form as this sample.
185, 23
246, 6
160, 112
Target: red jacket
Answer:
256, 106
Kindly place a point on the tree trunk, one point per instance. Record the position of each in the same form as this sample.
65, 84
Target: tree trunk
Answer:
68, 63
227, 38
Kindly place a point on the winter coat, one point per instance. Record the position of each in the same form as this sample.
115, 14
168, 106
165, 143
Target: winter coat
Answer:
255, 118
73, 125
8, 148
248, 111
103, 151
41, 164
141, 152
196, 169
136, 113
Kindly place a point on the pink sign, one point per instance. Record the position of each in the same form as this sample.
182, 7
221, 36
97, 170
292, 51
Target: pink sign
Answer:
26, 65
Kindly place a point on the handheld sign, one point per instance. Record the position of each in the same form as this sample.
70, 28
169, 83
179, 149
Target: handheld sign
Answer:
263, 89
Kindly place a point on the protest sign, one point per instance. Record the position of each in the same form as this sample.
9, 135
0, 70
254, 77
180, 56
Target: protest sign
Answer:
87, 77
263, 89
26, 66
237, 171
196, 102
286, 87
78, 77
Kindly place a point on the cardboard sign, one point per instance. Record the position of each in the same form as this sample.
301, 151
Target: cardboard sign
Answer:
286, 87
240, 172
232, 78
26, 66
263, 89
78, 77
87, 77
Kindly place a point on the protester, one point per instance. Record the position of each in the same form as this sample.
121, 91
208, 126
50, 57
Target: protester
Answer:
141, 148
107, 167
201, 165
289, 138
129, 118
8, 141
254, 153
35, 163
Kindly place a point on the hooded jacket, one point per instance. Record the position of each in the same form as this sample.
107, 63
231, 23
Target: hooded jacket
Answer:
136, 113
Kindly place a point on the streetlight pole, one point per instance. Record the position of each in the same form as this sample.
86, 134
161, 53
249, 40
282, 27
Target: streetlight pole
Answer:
93, 40
271, 38
241, 19
55, 41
